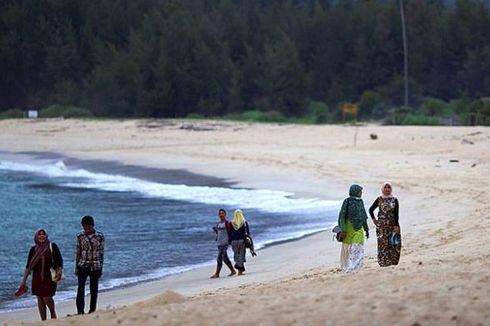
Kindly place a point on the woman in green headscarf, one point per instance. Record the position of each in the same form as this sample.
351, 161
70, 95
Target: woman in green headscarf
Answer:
353, 223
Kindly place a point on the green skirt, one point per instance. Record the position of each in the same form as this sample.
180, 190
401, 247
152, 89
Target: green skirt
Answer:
353, 236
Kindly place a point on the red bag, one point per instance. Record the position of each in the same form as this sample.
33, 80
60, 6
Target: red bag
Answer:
22, 289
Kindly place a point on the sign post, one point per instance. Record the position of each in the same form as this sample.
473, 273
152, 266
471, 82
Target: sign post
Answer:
349, 108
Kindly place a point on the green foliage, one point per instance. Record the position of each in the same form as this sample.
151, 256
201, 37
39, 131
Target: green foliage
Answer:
53, 111
58, 111
12, 114
371, 105
257, 116
397, 115
77, 112
434, 107
194, 116
319, 113
172, 59
420, 120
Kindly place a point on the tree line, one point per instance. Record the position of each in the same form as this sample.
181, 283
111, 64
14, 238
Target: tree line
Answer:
173, 58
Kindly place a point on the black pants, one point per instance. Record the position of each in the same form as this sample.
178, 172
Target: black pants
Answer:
83, 273
223, 256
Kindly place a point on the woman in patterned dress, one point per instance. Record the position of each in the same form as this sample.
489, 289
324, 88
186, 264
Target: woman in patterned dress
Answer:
353, 223
387, 227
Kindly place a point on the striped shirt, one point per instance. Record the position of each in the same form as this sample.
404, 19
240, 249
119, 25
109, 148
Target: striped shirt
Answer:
90, 250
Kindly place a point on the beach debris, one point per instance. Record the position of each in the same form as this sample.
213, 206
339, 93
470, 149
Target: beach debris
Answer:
466, 141
453, 161
192, 127
473, 165
420, 263
474, 133
373, 136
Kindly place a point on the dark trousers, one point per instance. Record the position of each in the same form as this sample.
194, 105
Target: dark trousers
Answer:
83, 273
223, 256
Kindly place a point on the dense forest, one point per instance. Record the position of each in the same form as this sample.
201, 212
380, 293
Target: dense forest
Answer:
288, 58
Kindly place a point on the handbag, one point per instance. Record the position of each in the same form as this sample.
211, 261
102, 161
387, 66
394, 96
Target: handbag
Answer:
339, 234
54, 270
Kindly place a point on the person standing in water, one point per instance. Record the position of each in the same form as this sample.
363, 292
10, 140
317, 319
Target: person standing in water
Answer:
352, 222
42, 257
239, 230
88, 263
223, 230
387, 226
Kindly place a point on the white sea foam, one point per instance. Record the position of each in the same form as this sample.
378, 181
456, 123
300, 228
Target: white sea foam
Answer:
266, 200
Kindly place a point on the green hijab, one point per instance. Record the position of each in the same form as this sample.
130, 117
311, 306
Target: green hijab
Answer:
356, 212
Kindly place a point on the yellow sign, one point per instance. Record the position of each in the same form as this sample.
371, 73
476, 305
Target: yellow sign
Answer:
349, 108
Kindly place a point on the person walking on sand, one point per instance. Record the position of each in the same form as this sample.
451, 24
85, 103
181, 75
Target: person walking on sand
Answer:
43, 256
239, 230
223, 230
387, 226
352, 222
88, 263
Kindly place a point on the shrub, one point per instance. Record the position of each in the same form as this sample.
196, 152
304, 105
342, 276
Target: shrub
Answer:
77, 112
434, 107
272, 116
252, 115
319, 112
257, 116
420, 120
56, 111
370, 105
12, 114
195, 116
53, 111
397, 115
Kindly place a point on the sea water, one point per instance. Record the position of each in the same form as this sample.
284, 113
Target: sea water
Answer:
156, 222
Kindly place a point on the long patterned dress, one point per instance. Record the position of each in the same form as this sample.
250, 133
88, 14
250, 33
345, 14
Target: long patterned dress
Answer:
388, 252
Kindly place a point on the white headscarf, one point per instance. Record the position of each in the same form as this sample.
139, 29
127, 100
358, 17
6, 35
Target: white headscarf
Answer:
383, 188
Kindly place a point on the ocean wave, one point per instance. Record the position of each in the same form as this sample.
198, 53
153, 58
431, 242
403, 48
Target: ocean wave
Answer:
266, 200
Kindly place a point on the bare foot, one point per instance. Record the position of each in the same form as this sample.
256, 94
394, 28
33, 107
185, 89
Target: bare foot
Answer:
240, 273
232, 273
215, 276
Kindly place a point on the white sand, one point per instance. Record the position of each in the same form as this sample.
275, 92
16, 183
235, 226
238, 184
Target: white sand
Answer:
443, 276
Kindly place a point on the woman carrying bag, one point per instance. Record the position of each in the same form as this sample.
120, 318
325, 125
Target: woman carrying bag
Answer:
353, 225
46, 264
239, 231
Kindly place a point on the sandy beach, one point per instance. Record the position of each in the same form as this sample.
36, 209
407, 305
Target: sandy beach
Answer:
439, 174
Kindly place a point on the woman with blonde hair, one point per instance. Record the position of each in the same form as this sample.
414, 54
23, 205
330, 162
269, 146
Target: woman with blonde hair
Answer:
239, 231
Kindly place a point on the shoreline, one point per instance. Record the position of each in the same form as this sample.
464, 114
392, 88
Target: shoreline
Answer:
196, 282
440, 175
145, 173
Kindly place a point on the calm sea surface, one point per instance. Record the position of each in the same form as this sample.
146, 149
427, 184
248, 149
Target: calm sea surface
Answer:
156, 222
